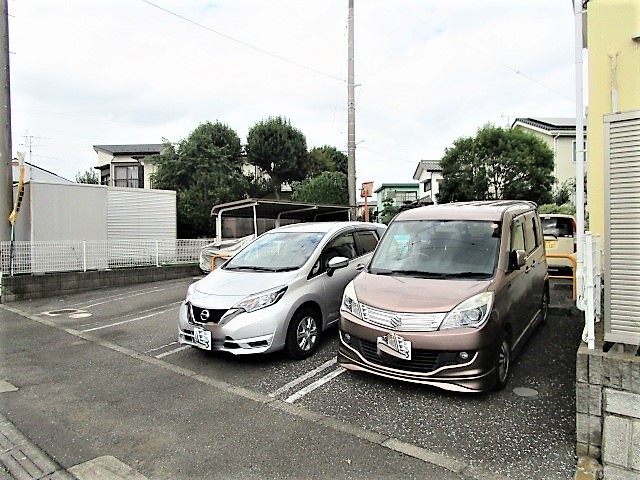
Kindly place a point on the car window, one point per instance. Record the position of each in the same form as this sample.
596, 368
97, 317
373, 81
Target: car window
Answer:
366, 241
517, 235
341, 246
276, 251
558, 226
529, 234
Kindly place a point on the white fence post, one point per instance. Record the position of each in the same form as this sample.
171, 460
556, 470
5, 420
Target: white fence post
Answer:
592, 287
84, 255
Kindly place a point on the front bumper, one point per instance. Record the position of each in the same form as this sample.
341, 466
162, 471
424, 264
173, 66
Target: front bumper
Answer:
435, 366
261, 331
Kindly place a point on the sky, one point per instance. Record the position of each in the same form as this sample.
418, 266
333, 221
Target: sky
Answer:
427, 72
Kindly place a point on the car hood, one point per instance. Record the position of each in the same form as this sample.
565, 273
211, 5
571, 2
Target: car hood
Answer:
417, 295
229, 286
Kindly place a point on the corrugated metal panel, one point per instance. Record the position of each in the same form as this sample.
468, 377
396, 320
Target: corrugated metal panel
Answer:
622, 228
141, 214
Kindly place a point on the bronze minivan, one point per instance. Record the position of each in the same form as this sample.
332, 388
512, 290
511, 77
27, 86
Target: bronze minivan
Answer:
450, 296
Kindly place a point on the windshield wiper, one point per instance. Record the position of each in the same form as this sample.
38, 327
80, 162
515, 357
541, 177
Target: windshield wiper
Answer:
409, 273
468, 275
254, 268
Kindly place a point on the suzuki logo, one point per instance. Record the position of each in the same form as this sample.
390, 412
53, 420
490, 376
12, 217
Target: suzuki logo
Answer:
204, 315
396, 322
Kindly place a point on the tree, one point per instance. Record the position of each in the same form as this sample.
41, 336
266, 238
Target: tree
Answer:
204, 169
90, 176
327, 158
278, 149
328, 187
497, 163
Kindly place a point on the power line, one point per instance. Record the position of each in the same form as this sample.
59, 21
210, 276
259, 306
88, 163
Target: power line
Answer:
244, 44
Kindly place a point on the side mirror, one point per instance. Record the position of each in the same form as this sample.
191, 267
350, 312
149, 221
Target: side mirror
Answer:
335, 263
517, 259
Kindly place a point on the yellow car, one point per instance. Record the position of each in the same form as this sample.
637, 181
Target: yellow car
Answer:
559, 238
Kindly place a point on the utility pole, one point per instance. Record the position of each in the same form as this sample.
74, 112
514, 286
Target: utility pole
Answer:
6, 177
351, 131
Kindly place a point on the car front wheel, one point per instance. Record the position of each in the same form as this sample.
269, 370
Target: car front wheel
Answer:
503, 363
303, 334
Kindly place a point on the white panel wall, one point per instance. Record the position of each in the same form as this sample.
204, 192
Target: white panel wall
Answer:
141, 214
71, 211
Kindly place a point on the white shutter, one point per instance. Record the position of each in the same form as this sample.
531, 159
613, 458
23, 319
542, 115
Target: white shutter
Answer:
622, 227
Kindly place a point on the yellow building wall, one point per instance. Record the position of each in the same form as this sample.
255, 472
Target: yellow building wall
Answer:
611, 24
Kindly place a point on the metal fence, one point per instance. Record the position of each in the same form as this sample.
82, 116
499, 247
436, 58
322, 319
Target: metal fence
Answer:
67, 256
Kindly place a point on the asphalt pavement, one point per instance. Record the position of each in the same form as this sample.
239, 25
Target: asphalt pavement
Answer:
80, 405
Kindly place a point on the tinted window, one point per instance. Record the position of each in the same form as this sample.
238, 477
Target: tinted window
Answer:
367, 241
342, 246
517, 235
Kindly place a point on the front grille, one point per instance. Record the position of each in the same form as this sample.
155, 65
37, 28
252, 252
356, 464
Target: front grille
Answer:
421, 360
402, 321
195, 315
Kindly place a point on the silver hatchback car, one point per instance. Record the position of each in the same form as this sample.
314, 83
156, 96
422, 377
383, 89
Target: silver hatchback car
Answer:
280, 291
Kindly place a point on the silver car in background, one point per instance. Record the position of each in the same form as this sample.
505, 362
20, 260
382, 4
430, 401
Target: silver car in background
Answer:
280, 291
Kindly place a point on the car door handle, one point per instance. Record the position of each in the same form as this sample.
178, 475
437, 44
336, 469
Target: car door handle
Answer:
360, 267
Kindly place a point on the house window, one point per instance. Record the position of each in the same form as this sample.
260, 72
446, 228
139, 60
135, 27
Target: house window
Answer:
105, 176
405, 197
129, 176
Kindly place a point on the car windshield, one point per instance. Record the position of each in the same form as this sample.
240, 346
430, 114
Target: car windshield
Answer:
438, 249
557, 226
276, 251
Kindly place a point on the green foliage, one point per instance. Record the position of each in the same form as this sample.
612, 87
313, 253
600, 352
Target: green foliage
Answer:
565, 209
497, 163
326, 158
328, 187
204, 169
388, 212
90, 177
278, 149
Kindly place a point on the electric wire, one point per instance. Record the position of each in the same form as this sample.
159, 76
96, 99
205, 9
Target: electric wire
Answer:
244, 44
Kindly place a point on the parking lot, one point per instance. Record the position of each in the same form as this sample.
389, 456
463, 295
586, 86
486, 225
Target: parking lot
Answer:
101, 373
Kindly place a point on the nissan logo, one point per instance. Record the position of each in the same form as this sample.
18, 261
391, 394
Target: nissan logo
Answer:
204, 315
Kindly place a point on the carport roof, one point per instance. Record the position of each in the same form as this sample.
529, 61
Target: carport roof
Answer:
269, 208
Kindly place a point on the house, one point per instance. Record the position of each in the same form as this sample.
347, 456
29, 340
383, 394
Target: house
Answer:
127, 165
560, 135
371, 206
398, 193
428, 173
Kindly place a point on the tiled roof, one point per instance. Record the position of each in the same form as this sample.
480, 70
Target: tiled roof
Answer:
560, 123
135, 149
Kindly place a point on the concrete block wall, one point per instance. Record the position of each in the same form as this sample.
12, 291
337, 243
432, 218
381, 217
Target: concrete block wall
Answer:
608, 411
25, 287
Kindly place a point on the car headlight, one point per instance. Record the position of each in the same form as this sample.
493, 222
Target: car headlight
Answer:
190, 291
350, 301
473, 312
261, 300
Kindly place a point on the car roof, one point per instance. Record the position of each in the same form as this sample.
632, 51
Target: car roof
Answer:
325, 227
491, 210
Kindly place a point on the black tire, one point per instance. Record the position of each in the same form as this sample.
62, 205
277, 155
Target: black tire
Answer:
544, 306
303, 334
503, 363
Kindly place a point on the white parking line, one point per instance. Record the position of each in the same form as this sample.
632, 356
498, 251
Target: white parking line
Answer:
302, 378
171, 352
318, 383
128, 321
160, 347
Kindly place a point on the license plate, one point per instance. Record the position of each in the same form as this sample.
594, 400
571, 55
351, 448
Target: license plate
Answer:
550, 244
394, 345
202, 337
